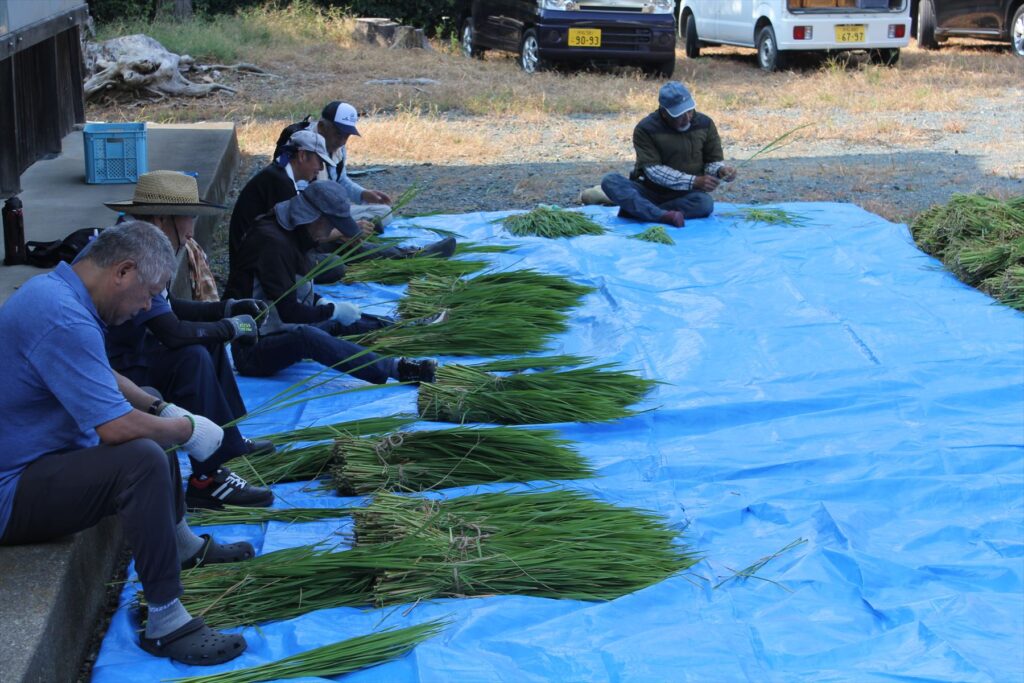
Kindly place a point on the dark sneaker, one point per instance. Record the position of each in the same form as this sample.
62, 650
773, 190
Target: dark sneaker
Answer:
436, 319
417, 370
260, 446
225, 487
443, 248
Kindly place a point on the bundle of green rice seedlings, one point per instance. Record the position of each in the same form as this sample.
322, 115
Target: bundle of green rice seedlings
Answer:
976, 261
480, 248
236, 514
526, 287
339, 658
593, 394
400, 271
655, 233
531, 363
556, 544
551, 222
292, 462
967, 217
445, 458
1009, 287
753, 214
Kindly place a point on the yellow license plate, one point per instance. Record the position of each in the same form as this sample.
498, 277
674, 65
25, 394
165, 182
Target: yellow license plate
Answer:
584, 37
850, 33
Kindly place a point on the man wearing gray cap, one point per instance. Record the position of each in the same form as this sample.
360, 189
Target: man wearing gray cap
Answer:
679, 162
273, 265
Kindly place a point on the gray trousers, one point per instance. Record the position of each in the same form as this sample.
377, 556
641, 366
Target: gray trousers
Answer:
636, 200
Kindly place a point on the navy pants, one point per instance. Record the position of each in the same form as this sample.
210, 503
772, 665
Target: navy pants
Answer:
199, 378
63, 493
636, 200
317, 342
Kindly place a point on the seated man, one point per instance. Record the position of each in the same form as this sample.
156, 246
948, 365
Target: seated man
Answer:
678, 163
79, 443
177, 346
273, 266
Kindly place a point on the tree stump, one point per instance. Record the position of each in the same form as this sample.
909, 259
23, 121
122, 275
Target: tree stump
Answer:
388, 33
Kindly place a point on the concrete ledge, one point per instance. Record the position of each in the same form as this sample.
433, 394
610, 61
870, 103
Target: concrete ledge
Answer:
50, 598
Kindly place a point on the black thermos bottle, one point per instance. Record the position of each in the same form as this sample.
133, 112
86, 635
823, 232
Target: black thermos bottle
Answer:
14, 232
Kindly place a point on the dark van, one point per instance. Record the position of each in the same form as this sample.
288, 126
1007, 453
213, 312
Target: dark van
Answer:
1000, 20
542, 32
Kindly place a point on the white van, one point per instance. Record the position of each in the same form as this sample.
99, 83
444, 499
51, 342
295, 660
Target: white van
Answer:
778, 27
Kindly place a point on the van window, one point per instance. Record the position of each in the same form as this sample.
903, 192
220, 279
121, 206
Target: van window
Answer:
801, 5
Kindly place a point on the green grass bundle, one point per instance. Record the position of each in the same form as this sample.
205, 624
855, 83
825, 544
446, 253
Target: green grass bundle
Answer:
753, 214
555, 544
400, 271
445, 458
479, 248
592, 394
237, 514
292, 462
656, 234
336, 659
977, 261
531, 363
551, 222
1008, 287
966, 218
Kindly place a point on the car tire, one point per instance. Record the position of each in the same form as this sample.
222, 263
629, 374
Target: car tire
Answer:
690, 40
768, 56
529, 53
926, 25
889, 56
1017, 32
467, 39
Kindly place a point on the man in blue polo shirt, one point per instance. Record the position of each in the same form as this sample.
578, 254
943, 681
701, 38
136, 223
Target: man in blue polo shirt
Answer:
79, 442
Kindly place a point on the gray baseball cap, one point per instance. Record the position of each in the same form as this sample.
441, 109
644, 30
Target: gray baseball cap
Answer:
311, 141
675, 98
321, 198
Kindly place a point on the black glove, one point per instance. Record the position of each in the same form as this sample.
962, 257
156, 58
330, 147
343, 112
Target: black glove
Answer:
253, 307
245, 329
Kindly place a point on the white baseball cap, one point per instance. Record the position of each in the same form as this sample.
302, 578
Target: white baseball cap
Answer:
344, 117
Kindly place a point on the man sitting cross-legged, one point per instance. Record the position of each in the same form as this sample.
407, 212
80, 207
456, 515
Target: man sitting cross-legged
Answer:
78, 442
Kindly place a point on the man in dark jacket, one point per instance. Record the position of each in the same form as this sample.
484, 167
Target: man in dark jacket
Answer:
679, 162
273, 264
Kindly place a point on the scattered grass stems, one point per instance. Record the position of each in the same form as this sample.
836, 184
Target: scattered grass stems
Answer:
551, 222
336, 659
754, 214
236, 514
751, 571
445, 458
656, 234
555, 544
593, 394
401, 271
532, 363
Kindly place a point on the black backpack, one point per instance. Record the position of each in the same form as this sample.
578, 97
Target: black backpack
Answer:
283, 138
49, 254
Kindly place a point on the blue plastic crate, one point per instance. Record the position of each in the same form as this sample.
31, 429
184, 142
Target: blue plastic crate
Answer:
114, 152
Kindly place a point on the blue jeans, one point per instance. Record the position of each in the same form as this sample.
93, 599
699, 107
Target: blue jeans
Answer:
636, 200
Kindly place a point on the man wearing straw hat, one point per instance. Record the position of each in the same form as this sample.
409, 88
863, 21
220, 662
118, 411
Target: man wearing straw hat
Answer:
679, 162
177, 346
272, 264
78, 442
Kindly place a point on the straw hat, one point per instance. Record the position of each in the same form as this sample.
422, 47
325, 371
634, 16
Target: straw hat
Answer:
166, 193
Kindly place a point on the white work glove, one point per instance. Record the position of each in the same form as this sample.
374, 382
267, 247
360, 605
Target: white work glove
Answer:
344, 313
206, 435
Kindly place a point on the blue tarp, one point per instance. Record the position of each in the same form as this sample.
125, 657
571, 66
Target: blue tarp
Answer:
826, 382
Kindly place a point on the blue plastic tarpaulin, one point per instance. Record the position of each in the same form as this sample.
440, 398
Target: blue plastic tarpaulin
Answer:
825, 382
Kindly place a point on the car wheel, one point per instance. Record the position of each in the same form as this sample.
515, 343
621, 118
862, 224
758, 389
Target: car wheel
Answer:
926, 25
468, 40
1017, 32
529, 53
691, 43
768, 55
885, 56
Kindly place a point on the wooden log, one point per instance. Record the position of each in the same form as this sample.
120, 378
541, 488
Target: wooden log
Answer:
375, 30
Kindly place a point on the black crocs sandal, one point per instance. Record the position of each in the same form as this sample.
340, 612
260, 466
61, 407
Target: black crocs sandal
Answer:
195, 643
219, 553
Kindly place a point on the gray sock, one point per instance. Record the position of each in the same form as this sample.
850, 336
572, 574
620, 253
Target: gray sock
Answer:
188, 543
164, 619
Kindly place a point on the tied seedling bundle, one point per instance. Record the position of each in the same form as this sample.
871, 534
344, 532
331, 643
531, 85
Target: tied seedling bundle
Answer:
336, 659
598, 393
980, 239
479, 313
656, 234
400, 271
551, 222
555, 544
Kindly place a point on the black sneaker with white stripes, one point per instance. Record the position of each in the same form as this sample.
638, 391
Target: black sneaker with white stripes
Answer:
225, 488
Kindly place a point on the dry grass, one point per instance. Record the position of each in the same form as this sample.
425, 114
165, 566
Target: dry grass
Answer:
488, 111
